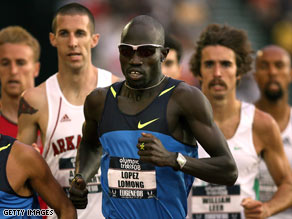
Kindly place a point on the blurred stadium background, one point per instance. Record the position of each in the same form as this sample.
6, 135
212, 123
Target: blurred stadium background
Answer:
265, 21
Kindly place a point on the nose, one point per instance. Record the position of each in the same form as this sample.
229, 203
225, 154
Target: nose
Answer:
14, 68
136, 60
72, 41
217, 70
272, 70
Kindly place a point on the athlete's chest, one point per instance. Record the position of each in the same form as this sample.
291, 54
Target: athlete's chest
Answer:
228, 126
133, 106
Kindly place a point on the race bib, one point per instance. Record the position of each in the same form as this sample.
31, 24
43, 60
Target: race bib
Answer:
130, 178
216, 202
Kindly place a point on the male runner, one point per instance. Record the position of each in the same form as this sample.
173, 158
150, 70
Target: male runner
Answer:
56, 106
171, 66
146, 129
23, 172
19, 65
273, 76
222, 56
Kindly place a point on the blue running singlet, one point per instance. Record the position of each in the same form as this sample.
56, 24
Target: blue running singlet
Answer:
132, 189
9, 200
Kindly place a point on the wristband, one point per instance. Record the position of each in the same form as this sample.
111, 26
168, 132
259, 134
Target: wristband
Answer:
181, 160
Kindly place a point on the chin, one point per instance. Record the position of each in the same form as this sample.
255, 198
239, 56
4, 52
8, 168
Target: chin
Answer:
15, 94
76, 66
218, 96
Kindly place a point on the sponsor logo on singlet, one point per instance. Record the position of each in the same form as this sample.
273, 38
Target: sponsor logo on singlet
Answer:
286, 142
4, 147
65, 118
142, 125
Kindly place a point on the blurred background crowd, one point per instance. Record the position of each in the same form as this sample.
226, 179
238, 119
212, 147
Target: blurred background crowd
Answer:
265, 21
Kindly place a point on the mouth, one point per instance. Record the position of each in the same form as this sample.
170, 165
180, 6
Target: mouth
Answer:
217, 87
274, 85
135, 75
13, 82
74, 55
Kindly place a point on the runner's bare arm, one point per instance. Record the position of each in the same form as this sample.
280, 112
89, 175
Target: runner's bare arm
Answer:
89, 150
31, 106
190, 105
42, 181
268, 137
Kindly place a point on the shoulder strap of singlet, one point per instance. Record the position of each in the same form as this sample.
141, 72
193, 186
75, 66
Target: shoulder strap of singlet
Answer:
6, 143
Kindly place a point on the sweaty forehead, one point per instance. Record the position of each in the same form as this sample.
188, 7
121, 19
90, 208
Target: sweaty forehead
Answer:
217, 52
273, 53
72, 22
142, 34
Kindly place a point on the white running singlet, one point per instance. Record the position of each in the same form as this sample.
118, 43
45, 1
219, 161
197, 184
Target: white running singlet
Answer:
217, 201
267, 185
63, 135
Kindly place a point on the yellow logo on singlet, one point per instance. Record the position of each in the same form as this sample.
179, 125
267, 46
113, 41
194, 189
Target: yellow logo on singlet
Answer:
4, 147
142, 125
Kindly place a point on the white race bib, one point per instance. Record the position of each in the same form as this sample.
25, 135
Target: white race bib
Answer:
130, 178
216, 202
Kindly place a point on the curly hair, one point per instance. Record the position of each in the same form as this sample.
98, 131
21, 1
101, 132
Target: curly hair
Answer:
227, 36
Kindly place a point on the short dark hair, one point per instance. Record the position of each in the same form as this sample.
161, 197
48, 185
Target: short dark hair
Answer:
223, 35
73, 9
172, 43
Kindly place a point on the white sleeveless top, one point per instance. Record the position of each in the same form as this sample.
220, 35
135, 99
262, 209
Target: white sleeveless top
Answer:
243, 150
267, 185
221, 201
63, 135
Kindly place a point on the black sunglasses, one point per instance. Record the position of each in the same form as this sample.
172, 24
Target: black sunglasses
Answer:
143, 50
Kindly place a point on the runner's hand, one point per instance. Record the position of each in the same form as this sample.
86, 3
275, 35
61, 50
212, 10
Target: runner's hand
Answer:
152, 151
254, 209
78, 192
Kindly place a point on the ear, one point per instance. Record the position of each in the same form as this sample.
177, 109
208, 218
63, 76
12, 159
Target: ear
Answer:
164, 53
37, 69
290, 74
94, 40
52, 39
199, 78
238, 77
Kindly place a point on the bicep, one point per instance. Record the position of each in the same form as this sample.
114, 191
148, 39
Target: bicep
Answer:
274, 155
27, 125
210, 137
90, 125
93, 109
199, 114
268, 142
